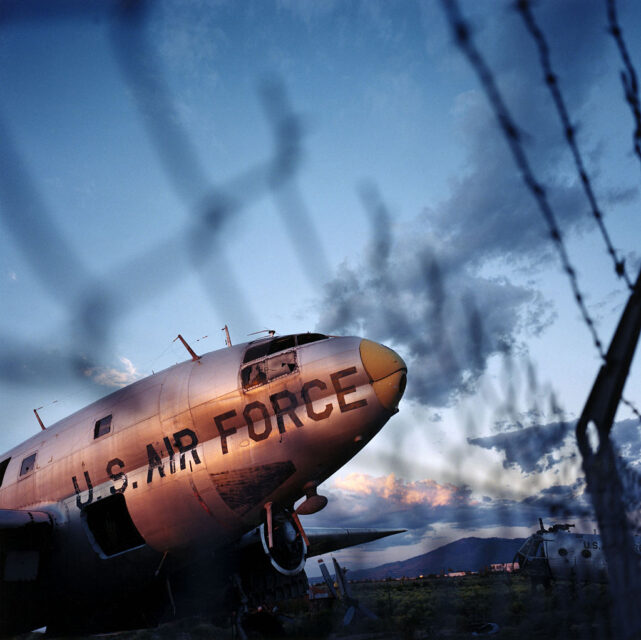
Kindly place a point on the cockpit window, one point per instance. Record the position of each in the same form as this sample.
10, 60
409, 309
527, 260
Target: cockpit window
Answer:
269, 347
282, 343
257, 351
306, 338
269, 369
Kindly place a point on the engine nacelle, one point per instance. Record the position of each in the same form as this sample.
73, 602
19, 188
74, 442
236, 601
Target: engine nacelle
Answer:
282, 540
279, 539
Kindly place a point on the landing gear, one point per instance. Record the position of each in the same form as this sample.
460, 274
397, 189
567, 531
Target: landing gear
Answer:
251, 621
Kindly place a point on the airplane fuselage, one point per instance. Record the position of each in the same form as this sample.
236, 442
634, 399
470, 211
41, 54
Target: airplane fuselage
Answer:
174, 469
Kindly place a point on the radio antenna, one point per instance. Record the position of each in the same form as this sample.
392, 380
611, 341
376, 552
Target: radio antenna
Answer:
271, 332
42, 426
227, 336
192, 353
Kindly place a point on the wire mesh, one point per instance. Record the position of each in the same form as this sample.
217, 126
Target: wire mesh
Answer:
448, 357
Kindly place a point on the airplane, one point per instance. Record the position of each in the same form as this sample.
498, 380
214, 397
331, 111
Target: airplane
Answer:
151, 501
557, 553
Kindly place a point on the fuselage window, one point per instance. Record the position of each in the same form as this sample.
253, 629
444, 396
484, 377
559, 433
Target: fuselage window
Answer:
28, 464
3, 468
269, 369
102, 427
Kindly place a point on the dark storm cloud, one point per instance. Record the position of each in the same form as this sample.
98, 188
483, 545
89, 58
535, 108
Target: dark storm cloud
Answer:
533, 449
538, 448
447, 338
423, 292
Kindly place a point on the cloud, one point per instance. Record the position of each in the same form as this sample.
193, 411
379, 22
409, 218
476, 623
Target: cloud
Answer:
112, 377
541, 447
361, 500
627, 437
532, 449
397, 491
426, 298
433, 291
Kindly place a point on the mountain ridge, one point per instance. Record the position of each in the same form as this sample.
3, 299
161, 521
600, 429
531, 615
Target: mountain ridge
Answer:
465, 554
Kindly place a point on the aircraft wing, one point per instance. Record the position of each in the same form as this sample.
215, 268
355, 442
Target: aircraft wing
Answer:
25, 539
24, 535
324, 540
18, 518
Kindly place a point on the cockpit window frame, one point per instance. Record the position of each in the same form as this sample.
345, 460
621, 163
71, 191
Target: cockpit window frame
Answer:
275, 346
303, 339
255, 371
261, 349
264, 374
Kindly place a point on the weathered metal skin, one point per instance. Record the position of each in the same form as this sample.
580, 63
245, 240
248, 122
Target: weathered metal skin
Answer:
196, 456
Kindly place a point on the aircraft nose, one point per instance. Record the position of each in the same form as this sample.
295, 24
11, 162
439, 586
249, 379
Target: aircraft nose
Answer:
387, 372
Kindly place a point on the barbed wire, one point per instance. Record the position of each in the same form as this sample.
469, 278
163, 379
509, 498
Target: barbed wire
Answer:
551, 79
628, 75
462, 33
602, 476
212, 205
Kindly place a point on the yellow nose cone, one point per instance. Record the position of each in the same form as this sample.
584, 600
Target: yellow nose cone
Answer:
387, 372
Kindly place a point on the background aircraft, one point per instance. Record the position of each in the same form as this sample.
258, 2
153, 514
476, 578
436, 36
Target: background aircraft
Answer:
160, 496
560, 554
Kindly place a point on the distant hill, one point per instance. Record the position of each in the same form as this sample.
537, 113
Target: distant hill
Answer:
466, 554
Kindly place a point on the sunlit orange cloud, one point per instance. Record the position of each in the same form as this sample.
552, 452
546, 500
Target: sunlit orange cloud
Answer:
428, 492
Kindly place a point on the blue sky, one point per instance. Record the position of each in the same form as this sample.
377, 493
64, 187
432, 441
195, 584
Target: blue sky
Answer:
136, 138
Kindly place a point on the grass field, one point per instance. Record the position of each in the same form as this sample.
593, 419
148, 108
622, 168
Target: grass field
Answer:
455, 607
433, 608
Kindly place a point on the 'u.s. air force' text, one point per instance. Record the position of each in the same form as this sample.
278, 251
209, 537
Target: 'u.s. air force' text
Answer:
183, 442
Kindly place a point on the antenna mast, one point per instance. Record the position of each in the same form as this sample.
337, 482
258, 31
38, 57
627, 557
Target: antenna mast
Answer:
271, 332
42, 426
227, 336
192, 353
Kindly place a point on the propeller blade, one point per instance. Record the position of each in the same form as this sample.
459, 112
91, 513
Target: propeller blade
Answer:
349, 614
340, 580
328, 579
